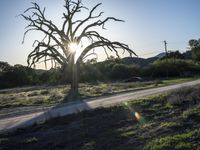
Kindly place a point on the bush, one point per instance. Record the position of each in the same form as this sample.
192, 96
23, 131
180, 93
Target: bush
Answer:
172, 68
179, 141
18, 76
122, 71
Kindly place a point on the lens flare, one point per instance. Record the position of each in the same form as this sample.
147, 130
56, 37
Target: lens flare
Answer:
137, 116
141, 120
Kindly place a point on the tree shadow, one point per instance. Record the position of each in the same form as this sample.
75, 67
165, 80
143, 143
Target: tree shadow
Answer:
59, 110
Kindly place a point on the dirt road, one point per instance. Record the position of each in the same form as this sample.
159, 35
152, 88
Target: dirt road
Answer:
9, 123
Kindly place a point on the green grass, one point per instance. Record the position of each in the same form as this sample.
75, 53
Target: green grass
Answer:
55, 95
192, 112
116, 128
176, 80
31, 140
185, 141
3, 140
168, 124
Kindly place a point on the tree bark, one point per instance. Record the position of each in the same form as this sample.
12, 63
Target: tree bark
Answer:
74, 93
74, 83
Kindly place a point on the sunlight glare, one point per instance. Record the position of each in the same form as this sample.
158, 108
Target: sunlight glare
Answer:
73, 47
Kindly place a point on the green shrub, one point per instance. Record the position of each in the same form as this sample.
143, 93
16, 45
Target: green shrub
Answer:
122, 71
172, 68
183, 141
31, 140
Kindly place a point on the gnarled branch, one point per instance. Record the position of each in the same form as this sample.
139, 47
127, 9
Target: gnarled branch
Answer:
72, 30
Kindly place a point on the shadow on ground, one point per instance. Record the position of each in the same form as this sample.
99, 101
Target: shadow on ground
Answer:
164, 118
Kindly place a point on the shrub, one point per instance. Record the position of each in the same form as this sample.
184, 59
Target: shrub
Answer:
179, 141
31, 140
122, 71
172, 68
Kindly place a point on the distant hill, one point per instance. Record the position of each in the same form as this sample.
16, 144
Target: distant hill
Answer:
186, 55
142, 62
161, 55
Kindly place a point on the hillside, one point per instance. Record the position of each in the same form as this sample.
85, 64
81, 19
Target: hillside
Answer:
142, 62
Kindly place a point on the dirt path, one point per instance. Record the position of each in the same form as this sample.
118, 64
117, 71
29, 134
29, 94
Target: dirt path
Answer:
18, 111
30, 116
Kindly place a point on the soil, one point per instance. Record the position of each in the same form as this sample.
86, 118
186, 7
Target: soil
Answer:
111, 128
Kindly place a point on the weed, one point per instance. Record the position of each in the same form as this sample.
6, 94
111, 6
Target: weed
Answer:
128, 133
174, 100
89, 145
179, 141
168, 124
44, 92
31, 140
3, 140
192, 112
158, 127
35, 93
148, 125
44, 95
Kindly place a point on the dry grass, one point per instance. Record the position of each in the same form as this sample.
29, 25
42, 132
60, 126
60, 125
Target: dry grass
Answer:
52, 95
159, 126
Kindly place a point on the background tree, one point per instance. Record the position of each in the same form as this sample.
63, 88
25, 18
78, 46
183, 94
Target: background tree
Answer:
61, 44
195, 47
174, 55
4, 66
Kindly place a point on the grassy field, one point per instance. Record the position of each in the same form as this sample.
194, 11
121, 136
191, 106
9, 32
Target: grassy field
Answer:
56, 94
159, 122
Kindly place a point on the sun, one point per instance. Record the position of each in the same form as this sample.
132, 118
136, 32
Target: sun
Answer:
76, 49
73, 47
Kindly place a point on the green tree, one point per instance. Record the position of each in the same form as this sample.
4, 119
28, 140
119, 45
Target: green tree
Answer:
122, 71
174, 55
4, 66
62, 44
195, 47
172, 67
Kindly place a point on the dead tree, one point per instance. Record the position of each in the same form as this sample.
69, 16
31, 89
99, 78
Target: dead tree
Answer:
58, 42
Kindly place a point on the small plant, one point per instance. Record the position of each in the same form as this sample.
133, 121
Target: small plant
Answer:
174, 100
44, 92
168, 124
35, 93
179, 141
3, 140
148, 125
31, 140
192, 112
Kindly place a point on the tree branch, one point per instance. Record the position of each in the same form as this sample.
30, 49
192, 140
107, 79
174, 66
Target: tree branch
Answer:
56, 39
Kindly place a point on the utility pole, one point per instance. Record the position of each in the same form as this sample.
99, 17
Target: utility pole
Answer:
167, 71
165, 43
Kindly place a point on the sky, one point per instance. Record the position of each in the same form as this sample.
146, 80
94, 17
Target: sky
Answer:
147, 24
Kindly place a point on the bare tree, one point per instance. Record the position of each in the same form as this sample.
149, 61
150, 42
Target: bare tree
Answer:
59, 44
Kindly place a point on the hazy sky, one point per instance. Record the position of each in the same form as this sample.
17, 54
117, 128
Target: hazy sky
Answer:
148, 23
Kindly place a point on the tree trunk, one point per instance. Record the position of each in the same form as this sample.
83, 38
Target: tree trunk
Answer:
74, 82
74, 93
